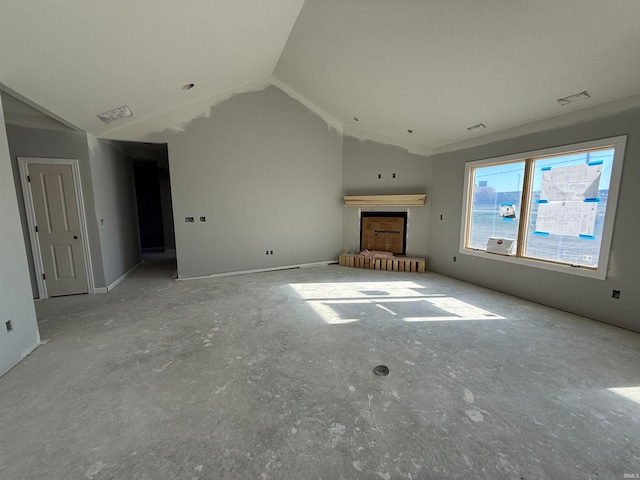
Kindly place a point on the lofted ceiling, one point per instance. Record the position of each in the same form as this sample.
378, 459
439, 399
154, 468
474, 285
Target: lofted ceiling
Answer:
17, 112
435, 67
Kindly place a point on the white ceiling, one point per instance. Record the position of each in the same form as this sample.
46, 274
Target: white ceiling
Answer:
433, 66
80, 58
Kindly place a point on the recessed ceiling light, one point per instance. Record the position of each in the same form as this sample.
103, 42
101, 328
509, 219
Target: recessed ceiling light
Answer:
356, 119
479, 126
574, 98
188, 86
115, 114
409, 131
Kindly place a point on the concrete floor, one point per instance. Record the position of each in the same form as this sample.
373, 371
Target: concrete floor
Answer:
269, 376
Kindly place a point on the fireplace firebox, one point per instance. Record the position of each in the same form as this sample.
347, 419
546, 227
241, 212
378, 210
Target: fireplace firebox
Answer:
384, 231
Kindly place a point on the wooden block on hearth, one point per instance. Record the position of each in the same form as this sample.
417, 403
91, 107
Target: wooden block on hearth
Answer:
397, 264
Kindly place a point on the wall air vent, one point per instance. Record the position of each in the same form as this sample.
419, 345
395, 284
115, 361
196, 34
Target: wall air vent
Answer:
479, 126
115, 114
574, 98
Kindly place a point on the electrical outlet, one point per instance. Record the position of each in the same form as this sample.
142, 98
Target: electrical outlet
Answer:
379, 175
441, 217
267, 252
454, 259
189, 219
615, 294
9, 325
393, 175
203, 219
270, 252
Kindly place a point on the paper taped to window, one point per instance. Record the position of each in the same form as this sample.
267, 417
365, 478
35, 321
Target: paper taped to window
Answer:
574, 183
567, 218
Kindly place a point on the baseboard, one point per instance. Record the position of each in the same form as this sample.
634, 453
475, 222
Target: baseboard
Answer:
115, 283
23, 355
260, 270
100, 290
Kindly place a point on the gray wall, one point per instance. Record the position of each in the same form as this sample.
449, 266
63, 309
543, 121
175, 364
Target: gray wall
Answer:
16, 303
31, 142
115, 207
361, 164
267, 174
580, 295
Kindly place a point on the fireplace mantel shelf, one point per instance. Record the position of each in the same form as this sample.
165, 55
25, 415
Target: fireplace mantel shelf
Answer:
415, 200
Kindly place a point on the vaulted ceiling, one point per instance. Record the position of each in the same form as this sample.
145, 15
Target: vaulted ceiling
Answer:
407, 71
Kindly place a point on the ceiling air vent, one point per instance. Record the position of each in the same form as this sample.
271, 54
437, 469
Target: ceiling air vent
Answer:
115, 114
574, 98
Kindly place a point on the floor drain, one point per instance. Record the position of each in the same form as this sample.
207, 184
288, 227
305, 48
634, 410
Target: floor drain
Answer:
381, 370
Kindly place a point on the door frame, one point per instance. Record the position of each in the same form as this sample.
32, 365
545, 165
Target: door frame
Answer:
23, 164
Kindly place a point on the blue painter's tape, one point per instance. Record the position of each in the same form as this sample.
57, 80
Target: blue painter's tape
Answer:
542, 234
591, 199
545, 168
507, 219
587, 237
506, 204
595, 162
542, 201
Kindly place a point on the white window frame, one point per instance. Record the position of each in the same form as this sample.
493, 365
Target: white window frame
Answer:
600, 272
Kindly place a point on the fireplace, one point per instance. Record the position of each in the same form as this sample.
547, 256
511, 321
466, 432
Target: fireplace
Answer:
384, 231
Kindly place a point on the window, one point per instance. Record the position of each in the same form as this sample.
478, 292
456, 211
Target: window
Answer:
551, 208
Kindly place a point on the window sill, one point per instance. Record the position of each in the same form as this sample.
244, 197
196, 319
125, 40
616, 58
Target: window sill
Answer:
599, 274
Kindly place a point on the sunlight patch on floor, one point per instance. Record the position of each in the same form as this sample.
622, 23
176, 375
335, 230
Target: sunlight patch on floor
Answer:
315, 291
630, 393
340, 303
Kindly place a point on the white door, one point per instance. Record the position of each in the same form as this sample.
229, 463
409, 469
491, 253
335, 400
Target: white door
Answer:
58, 228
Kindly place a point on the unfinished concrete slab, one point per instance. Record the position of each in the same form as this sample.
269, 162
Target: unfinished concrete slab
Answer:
270, 376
